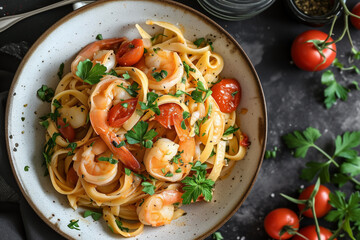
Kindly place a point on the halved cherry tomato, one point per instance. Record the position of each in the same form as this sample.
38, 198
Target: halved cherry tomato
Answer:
307, 57
322, 206
227, 94
72, 177
66, 130
310, 233
121, 112
167, 113
279, 218
245, 141
130, 52
356, 21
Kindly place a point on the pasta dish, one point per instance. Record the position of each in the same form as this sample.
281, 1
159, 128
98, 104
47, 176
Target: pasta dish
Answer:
138, 128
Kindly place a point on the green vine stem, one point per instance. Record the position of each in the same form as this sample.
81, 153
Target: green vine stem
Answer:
337, 232
315, 218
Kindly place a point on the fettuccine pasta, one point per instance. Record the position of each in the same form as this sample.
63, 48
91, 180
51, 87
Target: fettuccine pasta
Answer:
136, 124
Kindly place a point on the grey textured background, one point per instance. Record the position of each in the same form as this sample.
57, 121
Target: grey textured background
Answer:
294, 102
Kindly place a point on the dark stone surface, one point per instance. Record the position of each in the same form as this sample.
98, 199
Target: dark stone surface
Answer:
294, 97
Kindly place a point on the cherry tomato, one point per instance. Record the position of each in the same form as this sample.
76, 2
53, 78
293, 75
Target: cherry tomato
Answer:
66, 130
306, 56
245, 141
130, 52
356, 21
279, 218
121, 112
310, 233
227, 94
72, 177
167, 113
322, 206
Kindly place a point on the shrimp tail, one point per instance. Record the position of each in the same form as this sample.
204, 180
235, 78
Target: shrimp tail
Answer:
122, 153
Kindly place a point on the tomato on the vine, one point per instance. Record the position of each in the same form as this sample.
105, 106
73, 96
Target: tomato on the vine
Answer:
227, 94
322, 206
310, 233
306, 55
356, 21
279, 218
130, 52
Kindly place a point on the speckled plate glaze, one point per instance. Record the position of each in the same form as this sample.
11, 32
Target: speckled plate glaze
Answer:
25, 137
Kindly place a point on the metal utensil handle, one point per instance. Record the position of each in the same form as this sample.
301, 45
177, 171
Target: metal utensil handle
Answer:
8, 21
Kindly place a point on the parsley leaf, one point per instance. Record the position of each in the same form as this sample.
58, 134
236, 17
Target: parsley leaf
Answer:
61, 71
72, 146
95, 215
26, 168
140, 135
45, 93
108, 159
334, 90
302, 141
230, 130
345, 144
132, 89
197, 184
217, 236
89, 73
74, 224
197, 94
179, 93
159, 75
126, 75
156, 37
151, 103
148, 188
127, 171
99, 37
199, 41
119, 224
187, 68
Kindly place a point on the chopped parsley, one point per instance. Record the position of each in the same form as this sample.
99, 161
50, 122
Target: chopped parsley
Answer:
72, 146
95, 215
157, 36
113, 72
26, 168
127, 171
121, 144
74, 224
126, 75
187, 68
148, 188
185, 116
120, 226
197, 94
108, 159
158, 76
176, 158
234, 93
199, 41
178, 93
230, 130
132, 89
61, 71
151, 103
99, 37
139, 134
45, 93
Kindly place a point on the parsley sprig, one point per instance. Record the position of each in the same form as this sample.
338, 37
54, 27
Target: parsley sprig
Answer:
139, 134
345, 158
132, 89
45, 93
95, 215
108, 159
89, 73
197, 94
151, 103
334, 90
197, 184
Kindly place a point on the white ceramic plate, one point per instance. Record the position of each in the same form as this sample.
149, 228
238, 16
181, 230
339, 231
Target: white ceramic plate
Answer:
25, 137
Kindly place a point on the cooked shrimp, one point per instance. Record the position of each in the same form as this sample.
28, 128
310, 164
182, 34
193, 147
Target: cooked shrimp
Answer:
88, 166
105, 95
158, 209
167, 160
94, 52
157, 63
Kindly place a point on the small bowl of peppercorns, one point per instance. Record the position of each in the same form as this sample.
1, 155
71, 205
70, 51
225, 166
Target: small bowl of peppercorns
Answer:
315, 12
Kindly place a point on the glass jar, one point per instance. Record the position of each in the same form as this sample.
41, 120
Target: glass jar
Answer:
315, 21
235, 10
